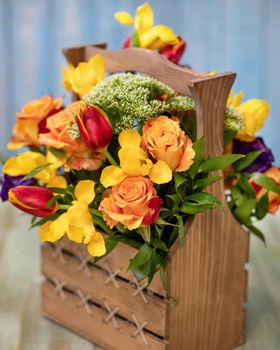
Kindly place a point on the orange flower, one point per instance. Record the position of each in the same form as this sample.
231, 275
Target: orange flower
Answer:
274, 198
32, 120
164, 140
133, 203
59, 125
25, 133
59, 137
40, 108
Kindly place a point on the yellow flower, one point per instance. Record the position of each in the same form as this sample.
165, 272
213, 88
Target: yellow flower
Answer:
85, 76
254, 113
77, 222
26, 162
134, 161
149, 37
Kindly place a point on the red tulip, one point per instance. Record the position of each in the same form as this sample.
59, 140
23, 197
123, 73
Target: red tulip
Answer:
33, 200
95, 128
174, 52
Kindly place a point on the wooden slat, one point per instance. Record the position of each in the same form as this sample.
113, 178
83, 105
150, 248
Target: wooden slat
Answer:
207, 277
94, 283
66, 312
117, 260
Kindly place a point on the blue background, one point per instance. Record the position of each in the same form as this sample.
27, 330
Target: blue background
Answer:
237, 35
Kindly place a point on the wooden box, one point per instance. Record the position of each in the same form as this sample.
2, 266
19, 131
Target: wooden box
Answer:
206, 278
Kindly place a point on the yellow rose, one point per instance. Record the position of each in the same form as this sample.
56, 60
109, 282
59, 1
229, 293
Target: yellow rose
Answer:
164, 140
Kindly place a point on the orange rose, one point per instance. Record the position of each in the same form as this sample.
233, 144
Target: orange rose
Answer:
274, 198
164, 140
60, 138
40, 108
59, 125
32, 120
133, 203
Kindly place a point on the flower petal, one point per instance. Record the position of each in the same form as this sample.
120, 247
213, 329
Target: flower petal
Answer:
79, 215
96, 247
124, 18
144, 18
160, 173
112, 175
129, 138
84, 191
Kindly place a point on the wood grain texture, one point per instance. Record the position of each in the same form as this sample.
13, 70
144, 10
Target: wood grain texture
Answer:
206, 278
96, 282
117, 261
93, 327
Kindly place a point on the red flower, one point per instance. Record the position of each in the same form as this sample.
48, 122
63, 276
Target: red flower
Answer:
32, 200
95, 128
174, 52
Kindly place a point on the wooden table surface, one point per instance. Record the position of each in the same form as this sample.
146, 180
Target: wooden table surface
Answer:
22, 327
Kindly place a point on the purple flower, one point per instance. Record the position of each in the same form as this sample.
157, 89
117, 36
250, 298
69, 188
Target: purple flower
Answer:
9, 182
262, 162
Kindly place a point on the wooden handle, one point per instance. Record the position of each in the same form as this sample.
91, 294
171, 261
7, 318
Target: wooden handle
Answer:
210, 95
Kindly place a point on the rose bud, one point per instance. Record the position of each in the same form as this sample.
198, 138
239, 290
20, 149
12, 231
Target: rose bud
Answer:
95, 128
173, 52
33, 200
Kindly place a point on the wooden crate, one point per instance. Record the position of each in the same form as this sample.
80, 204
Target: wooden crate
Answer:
206, 278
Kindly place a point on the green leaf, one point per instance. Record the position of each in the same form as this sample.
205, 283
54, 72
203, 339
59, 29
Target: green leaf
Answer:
228, 136
153, 262
134, 40
181, 230
244, 211
179, 180
141, 257
52, 201
201, 183
204, 198
58, 190
246, 161
161, 221
159, 244
262, 206
246, 186
198, 147
36, 171
101, 223
195, 208
59, 153
265, 182
256, 232
218, 163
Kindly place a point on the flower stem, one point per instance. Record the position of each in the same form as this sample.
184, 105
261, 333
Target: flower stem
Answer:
96, 212
110, 158
63, 206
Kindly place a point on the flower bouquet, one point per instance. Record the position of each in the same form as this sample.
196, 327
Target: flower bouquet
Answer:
125, 165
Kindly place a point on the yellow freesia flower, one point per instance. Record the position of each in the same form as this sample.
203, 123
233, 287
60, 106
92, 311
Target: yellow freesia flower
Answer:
77, 222
134, 161
254, 112
85, 76
149, 37
26, 162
